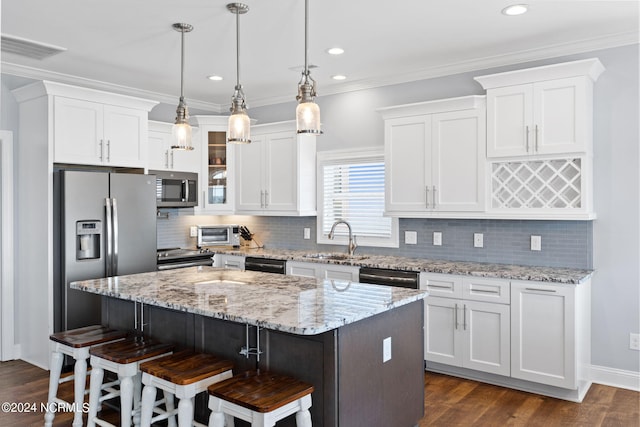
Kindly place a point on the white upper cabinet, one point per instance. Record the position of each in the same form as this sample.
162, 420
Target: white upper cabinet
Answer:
276, 172
434, 157
92, 127
543, 110
162, 157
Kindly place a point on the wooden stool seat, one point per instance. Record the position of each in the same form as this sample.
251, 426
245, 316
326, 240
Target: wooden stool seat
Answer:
74, 343
124, 359
131, 350
261, 398
87, 336
186, 367
183, 375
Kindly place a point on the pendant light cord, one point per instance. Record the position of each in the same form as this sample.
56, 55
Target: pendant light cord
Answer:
306, 37
237, 48
182, 65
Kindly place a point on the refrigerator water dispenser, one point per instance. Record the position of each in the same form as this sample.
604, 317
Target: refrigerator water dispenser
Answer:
88, 239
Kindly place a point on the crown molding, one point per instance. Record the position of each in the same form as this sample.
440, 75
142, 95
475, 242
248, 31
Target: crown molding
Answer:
40, 74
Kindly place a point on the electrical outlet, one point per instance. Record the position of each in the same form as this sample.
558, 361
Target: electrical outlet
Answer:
386, 349
307, 233
411, 237
437, 238
634, 341
193, 231
536, 243
478, 240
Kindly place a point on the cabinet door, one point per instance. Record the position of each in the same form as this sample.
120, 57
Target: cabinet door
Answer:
509, 118
304, 269
78, 132
543, 345
407, 164
281, 171
443, 342
458, 158
486, 329
560, 116
159, 147
340, 272
249, 175
125, 133
234, 262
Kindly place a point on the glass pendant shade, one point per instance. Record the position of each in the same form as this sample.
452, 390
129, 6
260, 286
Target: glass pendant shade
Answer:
308, 117
181, 133
239, 130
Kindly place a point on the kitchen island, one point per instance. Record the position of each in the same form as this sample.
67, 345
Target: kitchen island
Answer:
360, 345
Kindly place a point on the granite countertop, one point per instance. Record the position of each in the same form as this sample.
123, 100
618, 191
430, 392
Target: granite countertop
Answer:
298, 305
463, 268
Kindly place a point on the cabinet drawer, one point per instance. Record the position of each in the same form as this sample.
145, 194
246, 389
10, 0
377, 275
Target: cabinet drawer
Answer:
489, 290
441, 285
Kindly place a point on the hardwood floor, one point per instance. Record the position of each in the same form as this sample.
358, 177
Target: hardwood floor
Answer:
449, 401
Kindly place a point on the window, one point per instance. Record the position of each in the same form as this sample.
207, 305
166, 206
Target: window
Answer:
351, 187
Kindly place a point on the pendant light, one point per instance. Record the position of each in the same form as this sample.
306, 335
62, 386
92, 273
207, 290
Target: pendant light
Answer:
181, 130
307, 111
239, 131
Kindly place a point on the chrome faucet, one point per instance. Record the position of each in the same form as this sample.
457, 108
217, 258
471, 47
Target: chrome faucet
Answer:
352, 239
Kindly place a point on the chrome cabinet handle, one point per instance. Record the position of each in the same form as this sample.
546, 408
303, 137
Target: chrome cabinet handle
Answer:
426, 196
171, 159
108, 150
266, 199
540, 290
439, 286
464, 317
537, 135
261, 198
166, 159
101, 144
456, 316
526, 132
433, 197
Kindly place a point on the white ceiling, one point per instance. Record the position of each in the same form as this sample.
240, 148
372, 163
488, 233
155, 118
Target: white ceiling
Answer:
129, 46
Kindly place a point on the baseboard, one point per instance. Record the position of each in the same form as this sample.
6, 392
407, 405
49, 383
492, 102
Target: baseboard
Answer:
613, 377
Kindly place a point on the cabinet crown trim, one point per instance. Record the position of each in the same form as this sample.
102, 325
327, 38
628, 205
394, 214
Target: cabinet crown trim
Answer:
591, 68
435, 106
44, 87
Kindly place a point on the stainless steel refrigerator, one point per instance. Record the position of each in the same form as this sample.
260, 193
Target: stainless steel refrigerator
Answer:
104, 225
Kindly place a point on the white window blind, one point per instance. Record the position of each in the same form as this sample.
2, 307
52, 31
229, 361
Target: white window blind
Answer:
352, 189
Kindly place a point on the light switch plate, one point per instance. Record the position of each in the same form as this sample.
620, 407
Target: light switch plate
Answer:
386, 349
478, 240
437, 238
193, 231
307, 233
411, 237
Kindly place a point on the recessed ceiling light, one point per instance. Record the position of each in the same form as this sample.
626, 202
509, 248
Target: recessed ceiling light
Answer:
335, 51
515, 9
215, 78
339, 77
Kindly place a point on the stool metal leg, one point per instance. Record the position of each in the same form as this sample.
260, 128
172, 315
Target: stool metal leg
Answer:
54, 379
97, 375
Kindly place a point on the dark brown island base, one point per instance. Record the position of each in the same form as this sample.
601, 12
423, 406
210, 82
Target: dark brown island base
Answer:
361, 346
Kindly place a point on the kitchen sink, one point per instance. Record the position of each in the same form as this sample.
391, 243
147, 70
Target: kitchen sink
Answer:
334, 256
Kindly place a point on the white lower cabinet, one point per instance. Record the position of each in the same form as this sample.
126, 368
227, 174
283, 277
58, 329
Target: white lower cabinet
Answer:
549, 340
467, 332
323, 271
235, 262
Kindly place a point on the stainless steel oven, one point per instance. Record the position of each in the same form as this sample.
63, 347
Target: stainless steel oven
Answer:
397, 278
171, 258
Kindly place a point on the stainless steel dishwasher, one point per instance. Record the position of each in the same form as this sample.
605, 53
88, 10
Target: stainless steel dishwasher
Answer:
383, 276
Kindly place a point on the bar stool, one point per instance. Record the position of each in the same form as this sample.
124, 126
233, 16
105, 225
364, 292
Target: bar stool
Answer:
261, 398
122, 358
75, 343
184, 375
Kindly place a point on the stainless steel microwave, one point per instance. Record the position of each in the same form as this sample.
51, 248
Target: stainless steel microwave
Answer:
176, 189
219, 235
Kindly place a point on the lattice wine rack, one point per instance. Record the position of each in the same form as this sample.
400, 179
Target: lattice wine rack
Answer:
537, 184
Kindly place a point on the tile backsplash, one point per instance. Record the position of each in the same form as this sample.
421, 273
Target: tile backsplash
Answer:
564, 243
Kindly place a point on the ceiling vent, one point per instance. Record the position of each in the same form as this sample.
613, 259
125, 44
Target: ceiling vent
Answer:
29, 48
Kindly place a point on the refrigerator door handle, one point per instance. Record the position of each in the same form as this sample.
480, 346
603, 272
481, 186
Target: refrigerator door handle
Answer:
114, 266
108, 237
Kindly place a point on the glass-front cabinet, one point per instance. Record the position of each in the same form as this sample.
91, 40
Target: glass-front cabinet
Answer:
216, 180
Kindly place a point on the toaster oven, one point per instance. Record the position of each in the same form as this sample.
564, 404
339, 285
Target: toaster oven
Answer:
219, 235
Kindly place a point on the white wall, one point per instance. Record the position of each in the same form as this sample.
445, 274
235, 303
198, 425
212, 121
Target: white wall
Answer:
350, 120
